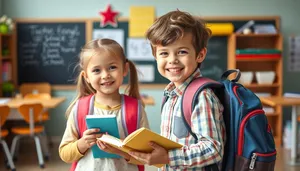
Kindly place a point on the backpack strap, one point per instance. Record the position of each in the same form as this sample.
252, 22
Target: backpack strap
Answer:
131, 120
188, 104
83, 109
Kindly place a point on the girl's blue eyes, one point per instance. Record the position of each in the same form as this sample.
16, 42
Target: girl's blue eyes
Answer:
96, 70
109, 68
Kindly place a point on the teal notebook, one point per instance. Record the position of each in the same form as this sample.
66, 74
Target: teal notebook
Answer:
106, 123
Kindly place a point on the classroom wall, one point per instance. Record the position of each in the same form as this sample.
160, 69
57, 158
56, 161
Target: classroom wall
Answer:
287, 10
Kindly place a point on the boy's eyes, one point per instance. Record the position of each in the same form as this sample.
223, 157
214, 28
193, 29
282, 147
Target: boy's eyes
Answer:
112, 67
163, 53
182, 52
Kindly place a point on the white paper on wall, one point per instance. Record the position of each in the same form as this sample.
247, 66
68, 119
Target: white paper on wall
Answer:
139, 49
145, 73
115, 34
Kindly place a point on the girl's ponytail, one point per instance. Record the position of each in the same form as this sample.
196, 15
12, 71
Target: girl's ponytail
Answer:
83, 88
133, 85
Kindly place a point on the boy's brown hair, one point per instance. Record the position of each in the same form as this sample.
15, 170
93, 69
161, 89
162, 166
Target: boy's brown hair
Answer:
172, 26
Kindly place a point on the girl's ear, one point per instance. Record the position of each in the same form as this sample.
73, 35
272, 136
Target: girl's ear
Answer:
201, 56
84, 74
126, 69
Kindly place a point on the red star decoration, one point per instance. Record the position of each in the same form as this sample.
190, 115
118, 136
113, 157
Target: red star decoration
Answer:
109, 17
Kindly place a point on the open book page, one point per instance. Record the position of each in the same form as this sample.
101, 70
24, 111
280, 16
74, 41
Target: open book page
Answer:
139, 141
111, 140
115, 142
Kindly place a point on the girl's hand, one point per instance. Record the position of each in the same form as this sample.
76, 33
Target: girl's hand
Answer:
88, 139
159, 155
110, 149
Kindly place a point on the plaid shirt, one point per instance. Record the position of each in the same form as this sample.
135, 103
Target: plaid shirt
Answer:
207, 124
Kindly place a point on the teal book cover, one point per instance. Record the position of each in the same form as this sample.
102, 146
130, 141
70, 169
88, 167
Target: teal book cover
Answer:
106, 123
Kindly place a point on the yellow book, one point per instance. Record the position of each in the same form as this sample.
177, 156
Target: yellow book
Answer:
139, 141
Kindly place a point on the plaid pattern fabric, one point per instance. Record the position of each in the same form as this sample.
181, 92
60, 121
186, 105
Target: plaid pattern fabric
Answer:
207, 124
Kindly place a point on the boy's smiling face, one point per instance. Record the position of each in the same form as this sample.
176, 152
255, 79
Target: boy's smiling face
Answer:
177, 61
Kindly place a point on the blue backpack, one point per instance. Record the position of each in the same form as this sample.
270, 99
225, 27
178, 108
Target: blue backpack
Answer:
250, 144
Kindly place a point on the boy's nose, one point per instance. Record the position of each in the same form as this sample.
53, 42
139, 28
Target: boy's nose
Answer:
174, 61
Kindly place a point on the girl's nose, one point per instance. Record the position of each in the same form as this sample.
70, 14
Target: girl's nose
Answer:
105, 75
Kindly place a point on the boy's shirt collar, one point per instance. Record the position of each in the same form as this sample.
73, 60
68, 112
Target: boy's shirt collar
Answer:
171, 90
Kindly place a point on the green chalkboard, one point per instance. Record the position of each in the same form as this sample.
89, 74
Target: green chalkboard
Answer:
48, 52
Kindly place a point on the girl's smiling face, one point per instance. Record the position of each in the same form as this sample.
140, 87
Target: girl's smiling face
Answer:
105, 72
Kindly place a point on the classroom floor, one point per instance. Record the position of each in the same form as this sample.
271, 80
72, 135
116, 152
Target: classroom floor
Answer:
27, 160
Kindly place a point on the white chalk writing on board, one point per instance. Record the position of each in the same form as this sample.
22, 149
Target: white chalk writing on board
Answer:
54, 42
139, 49
115, 34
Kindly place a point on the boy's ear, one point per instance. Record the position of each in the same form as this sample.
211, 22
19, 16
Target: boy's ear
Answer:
201, 56
126, 69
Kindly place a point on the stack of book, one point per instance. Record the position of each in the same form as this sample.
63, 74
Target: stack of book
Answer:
6, 71
257, 53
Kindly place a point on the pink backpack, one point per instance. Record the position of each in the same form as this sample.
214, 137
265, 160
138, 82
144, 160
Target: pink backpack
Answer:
130, 118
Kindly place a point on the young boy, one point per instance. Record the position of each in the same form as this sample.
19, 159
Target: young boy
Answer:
179, 42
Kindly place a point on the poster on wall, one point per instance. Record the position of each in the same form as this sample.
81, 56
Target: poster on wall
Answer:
294, 54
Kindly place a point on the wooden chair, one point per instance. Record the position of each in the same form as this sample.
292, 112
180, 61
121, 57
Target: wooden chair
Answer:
45, 116
4, 112
31, 114
35, 88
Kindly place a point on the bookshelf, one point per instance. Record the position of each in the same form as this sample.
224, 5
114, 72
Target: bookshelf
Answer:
8, 59
260, 41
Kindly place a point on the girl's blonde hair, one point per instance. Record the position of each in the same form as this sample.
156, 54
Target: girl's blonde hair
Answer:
96, 47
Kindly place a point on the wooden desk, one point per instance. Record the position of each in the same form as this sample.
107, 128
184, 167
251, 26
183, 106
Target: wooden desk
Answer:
295, 103
47, 103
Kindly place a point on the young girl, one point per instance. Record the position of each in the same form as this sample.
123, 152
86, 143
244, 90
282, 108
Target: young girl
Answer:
103, 66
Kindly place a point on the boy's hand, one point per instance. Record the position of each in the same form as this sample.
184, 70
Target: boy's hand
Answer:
88, 139
110, 149
159, 155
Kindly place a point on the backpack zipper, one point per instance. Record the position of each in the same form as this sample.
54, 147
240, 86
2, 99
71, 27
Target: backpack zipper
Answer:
254, 157
252, 162
242, 126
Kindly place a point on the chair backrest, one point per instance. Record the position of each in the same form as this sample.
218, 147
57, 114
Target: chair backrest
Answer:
29, 88
37, 96
36, 109
4, 112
